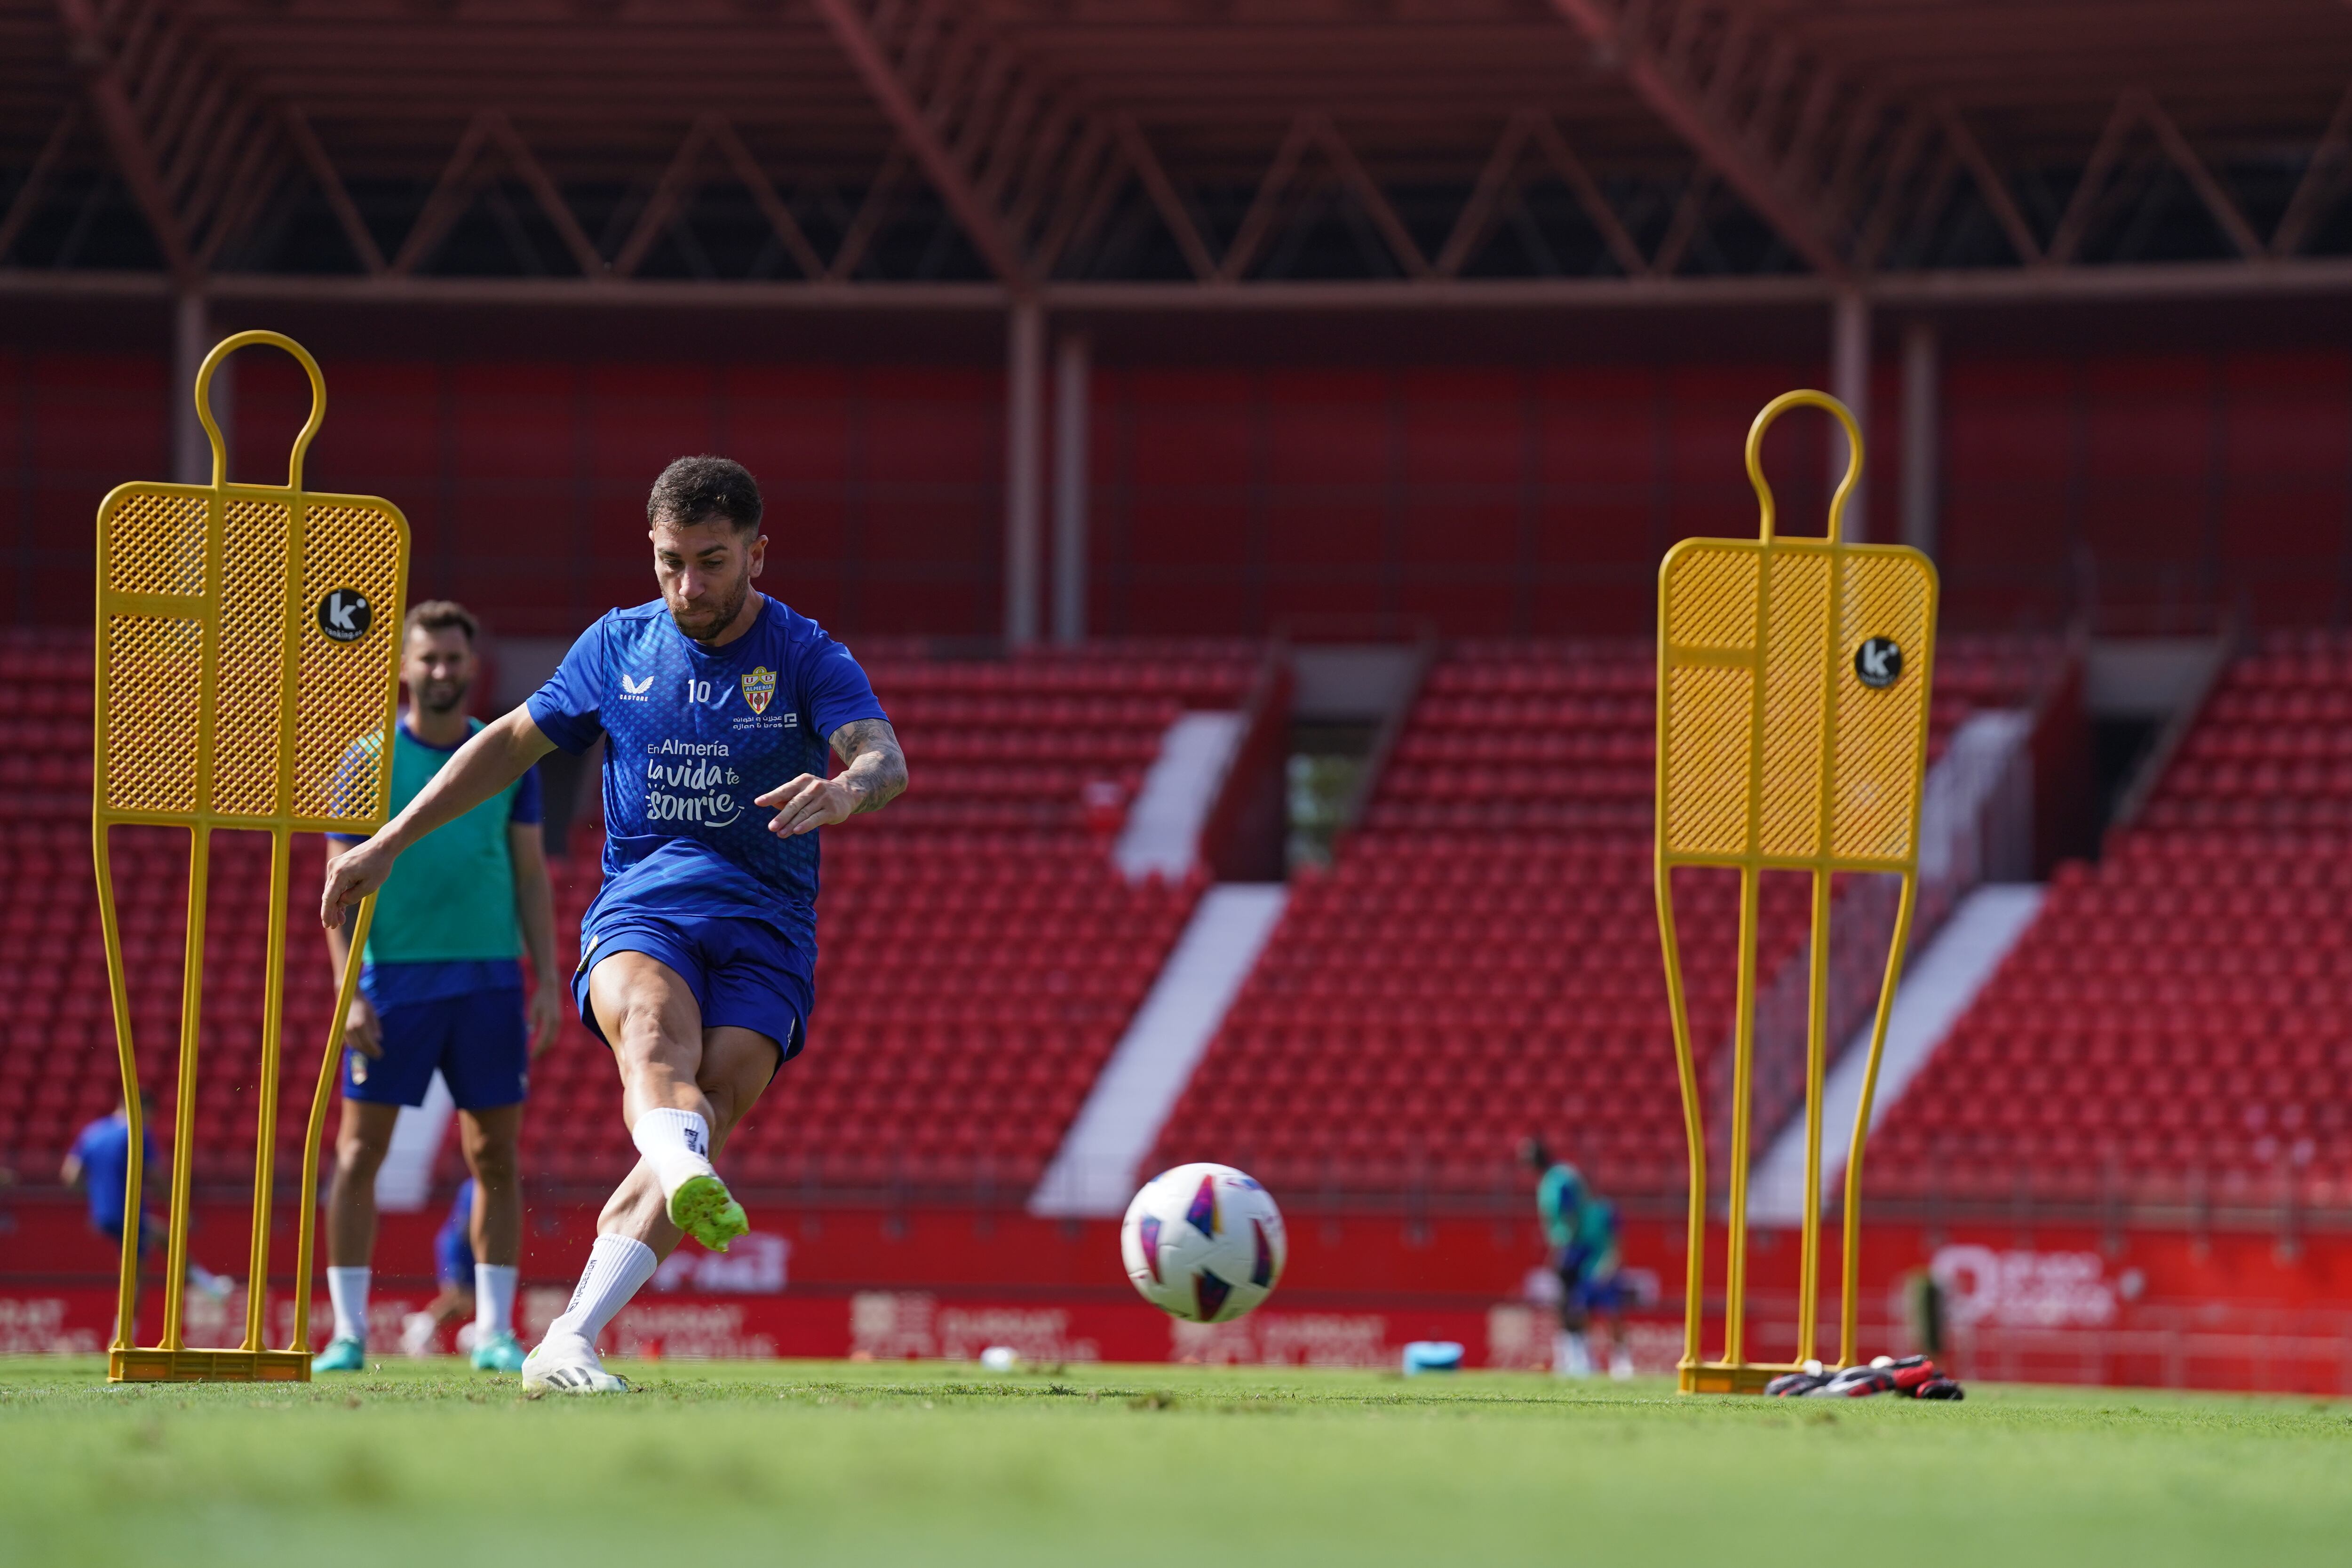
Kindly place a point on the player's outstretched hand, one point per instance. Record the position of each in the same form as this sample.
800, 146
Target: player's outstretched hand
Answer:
807, 802
353, 876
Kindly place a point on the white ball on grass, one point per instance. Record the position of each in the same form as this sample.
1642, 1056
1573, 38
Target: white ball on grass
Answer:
1203, 1242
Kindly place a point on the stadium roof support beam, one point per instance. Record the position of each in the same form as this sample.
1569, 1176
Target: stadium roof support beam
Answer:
1026, 163
1849, 381
1878, 228
2075, 223
1922, 458
1498, 180
1370, 197
2225, 211
119, 122
1725, 87
1995, 190
871, 215
2289, 277
1922, 290
28, 198
1024, 433
490, 135
1258, 221
1165, 200
1072, 404
1845, 143
857, 39
201, 151
2136, 109
1312, 132
1588, 195
788, 231
2322, 181
338, 199
681, 179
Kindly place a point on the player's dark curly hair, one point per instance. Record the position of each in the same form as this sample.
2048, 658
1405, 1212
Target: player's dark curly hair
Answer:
696, 489
441, 615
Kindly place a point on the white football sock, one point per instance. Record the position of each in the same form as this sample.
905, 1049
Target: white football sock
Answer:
348, 1289
494, 1294
676, 1144
618, 1266
1571, 1356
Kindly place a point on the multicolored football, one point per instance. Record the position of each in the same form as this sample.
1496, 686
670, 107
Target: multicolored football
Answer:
1203, 1242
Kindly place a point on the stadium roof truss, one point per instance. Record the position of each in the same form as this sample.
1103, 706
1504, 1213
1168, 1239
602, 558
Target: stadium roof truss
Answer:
1156, 154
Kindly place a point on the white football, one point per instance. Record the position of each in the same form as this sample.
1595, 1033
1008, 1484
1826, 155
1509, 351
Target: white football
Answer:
1203, 1242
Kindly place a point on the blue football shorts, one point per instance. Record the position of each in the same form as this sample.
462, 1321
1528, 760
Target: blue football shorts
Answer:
480, 1042
1589, 1280
744, 973
150, 1230
1601, 1292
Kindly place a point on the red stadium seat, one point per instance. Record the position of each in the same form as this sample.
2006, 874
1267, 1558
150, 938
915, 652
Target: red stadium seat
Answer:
2228, 1078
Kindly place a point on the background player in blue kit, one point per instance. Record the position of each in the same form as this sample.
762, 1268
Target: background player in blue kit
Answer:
453, 1272
100, 1164
718, 707
442, 990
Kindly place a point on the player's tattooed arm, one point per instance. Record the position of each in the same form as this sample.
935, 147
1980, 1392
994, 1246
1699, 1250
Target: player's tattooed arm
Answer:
875, 769
875, 775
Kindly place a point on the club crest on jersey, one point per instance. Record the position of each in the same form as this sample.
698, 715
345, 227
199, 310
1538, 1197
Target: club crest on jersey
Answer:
759, 688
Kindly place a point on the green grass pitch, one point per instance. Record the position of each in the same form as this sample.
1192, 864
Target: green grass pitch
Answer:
425, 1464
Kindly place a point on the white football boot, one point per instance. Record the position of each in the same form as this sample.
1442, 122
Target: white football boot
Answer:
565, 1364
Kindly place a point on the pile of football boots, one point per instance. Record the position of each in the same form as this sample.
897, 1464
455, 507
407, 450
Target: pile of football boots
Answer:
1913, 1376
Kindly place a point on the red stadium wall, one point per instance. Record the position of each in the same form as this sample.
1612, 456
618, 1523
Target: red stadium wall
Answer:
2136, 1306
1482, 501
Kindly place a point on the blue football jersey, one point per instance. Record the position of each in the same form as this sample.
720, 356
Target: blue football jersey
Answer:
691, 736
104, 1150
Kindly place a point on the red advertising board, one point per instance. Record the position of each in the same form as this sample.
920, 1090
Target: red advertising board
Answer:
2138, 1306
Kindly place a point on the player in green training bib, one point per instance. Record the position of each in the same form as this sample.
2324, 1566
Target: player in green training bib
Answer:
442, 990
1582, 1228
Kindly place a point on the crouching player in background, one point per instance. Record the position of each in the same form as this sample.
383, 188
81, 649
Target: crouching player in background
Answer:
99, 1163
1582, 1230
698, 960
453, 1274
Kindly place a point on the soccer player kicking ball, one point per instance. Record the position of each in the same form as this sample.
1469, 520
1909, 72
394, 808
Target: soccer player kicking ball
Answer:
442, 989
697, 958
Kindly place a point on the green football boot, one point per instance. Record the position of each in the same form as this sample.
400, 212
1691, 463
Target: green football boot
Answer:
498, 1353
707, 1211
342, 1354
